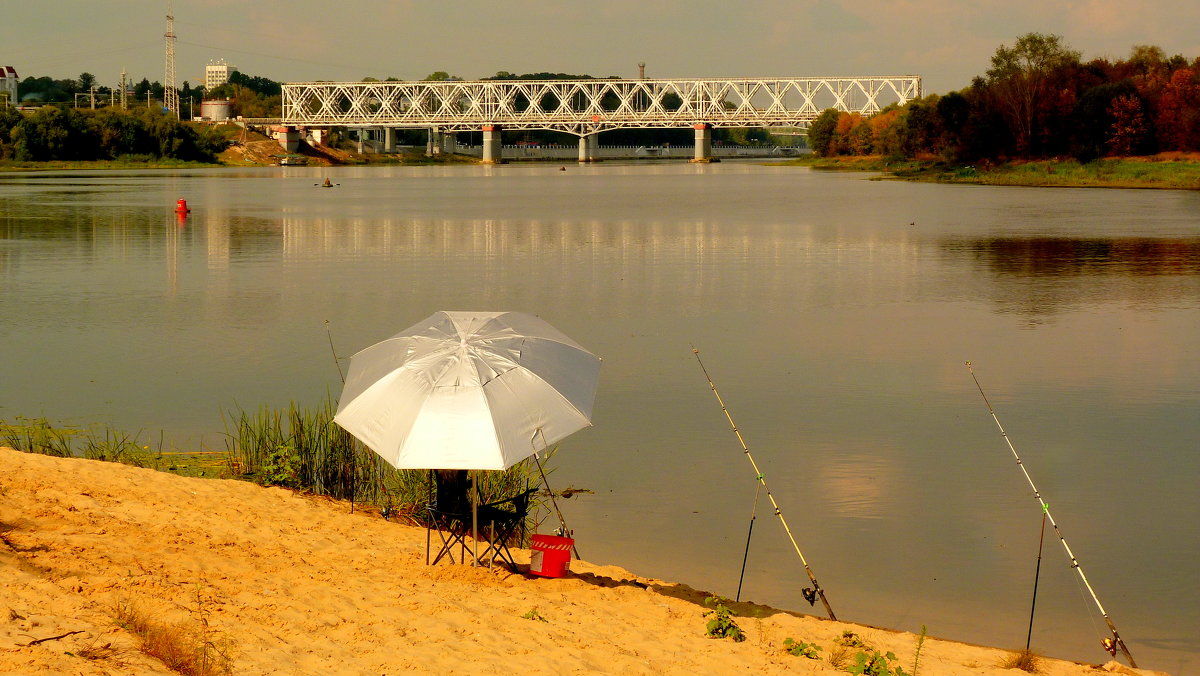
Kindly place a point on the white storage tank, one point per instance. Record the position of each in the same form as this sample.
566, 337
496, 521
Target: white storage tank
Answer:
217, 110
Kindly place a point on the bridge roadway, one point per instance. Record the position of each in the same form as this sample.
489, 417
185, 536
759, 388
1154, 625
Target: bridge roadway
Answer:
587, 107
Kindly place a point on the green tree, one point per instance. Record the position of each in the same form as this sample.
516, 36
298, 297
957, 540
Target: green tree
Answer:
86, 81
440, 76
9, 117
821, 131
51, 133
1019, 78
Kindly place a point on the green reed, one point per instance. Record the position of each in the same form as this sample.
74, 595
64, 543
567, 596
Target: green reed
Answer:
302, 448
37, 435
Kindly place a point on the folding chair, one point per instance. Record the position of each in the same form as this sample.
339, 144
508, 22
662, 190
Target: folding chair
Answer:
449, 512
503, 519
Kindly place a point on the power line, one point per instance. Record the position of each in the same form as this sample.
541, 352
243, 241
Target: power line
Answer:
280, 58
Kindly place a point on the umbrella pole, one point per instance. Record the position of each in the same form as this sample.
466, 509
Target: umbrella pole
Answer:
1111, 645
809, 594
474, 519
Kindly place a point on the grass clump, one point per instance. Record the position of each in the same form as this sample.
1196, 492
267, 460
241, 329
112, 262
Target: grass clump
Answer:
37, 435
721, 623
189, 650
1025, 660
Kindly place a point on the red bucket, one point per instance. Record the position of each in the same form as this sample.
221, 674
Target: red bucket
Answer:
550, 555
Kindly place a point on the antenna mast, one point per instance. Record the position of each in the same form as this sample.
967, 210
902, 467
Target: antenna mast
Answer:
170, 94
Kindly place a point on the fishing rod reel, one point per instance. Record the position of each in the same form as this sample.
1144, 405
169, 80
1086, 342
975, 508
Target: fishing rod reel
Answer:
1110, 645
809, 595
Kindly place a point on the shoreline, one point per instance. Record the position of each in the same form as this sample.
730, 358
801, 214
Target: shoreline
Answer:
1170, 171
292, 582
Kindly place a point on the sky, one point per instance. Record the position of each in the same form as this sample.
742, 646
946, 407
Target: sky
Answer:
946, 42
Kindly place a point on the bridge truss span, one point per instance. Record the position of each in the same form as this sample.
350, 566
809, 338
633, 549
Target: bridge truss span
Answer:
586, 107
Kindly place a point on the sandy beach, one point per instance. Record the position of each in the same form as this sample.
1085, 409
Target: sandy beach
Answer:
278, 582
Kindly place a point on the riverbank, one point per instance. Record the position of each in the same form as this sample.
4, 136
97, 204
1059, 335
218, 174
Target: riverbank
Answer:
98, 559
1169, 171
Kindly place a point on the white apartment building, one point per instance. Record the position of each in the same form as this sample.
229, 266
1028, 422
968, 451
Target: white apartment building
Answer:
216, 73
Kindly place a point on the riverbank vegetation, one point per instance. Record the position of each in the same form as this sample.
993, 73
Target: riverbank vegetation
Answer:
1039, 103
295, 447
1176, 171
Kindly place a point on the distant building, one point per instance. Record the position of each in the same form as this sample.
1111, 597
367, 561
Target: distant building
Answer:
8, 85
216, 73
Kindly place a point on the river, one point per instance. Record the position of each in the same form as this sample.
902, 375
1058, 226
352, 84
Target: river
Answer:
834, 312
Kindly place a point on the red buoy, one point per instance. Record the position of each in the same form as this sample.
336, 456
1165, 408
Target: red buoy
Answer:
181, 206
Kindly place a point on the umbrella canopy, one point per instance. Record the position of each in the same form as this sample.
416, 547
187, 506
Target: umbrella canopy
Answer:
468, 390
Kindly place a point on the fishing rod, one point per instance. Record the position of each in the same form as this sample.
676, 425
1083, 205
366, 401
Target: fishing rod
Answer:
810, 594
1111, 645
749, 534
1037, 573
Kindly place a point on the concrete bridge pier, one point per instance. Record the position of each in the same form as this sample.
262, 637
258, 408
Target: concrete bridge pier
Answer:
449, 143
491, 144
589, 148
703, 143
389, 140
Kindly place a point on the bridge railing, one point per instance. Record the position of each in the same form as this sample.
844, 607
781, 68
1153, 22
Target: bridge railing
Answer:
588, 106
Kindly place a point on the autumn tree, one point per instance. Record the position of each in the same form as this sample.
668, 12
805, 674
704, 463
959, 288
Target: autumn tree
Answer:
1019, 78
1178, 118
1127, 134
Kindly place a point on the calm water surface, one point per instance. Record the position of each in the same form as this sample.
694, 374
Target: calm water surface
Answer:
834, 312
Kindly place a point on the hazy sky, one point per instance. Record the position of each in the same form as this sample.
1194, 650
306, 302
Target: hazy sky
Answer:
946, 41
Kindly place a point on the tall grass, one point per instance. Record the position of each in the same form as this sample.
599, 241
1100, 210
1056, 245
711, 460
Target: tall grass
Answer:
37, 435
302, 448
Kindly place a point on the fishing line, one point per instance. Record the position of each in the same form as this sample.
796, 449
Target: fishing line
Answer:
810, 594
336, 363
1111, 645
563, 530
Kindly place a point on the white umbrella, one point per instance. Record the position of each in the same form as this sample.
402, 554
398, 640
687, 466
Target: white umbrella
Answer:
468, 390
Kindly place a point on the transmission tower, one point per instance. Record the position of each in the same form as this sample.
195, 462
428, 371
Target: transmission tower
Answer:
170, 94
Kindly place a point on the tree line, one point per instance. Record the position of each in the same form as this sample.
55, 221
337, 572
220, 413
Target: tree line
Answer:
59, 132
1037, 100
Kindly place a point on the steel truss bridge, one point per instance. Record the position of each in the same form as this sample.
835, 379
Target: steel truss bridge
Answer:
586, 107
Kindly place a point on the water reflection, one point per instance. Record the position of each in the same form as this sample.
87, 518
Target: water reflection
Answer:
1071, 257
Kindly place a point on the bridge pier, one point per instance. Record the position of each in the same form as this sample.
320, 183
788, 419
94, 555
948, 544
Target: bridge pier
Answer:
389, 140
491, 144
703, 144
589, 148
449, 143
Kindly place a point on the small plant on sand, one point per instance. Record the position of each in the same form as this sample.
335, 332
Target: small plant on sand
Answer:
920, 645
1025, 660
875, 664
721, 624
281, 467
801, 649
851, 640
533, 614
